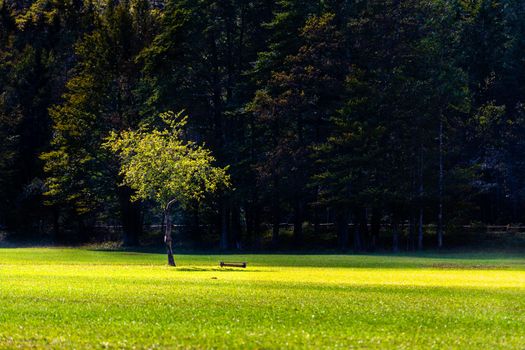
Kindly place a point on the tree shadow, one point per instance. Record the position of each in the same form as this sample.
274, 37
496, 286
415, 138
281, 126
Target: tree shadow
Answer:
216, 269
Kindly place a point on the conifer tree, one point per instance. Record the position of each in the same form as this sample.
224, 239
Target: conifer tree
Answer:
100, 97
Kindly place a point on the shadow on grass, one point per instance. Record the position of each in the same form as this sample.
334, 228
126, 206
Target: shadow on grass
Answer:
216, 269
197, 260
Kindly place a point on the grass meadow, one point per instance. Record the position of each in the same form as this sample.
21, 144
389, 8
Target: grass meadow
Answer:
58, 298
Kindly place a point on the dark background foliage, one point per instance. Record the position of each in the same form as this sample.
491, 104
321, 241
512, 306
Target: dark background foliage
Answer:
364, 124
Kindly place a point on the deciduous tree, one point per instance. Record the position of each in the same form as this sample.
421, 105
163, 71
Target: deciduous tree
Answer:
159, 165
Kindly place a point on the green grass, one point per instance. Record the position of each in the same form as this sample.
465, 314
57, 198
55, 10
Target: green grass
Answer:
79, 298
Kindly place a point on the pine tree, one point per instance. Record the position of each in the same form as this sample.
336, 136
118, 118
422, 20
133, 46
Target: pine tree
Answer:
100, 97
293, 112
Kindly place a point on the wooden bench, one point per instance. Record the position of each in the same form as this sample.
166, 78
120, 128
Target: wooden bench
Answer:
233, 264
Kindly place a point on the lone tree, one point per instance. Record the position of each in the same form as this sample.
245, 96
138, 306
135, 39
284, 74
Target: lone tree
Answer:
159, 165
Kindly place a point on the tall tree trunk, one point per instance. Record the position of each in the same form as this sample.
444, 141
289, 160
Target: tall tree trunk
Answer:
236, 225
168, 241
420, 201
420, 230
341, 218
276, 214
251, 229
57, 232
440, 187
83, 235
316, 219
361, 231
357, 238
395, 234
224, 225
257, 237
275, 226
253, 218
130, 216
411, 243
298, 222
375, 228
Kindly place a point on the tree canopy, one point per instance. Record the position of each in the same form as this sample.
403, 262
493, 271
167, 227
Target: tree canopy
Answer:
160, 165
376, 124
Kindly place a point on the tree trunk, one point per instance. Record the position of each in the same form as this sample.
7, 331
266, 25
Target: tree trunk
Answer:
420, 201
411, 243
440, 187
224, 225
420, 230
131, 218
57, 232
257, 236
250, 224
341, 218
298, 222
316, 219
360, 229
83, 235
276, 215
275, 226
167, 234
236, 225
357, 238
395, 235
375, 228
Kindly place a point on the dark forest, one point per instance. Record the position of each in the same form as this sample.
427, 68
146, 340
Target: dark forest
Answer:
362, 125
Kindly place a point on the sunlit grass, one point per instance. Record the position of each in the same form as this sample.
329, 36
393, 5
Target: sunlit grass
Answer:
67, 298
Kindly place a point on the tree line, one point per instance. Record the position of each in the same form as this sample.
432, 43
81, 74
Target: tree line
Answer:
384, 114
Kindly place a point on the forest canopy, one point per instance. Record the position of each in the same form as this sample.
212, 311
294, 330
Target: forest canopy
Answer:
366, 124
